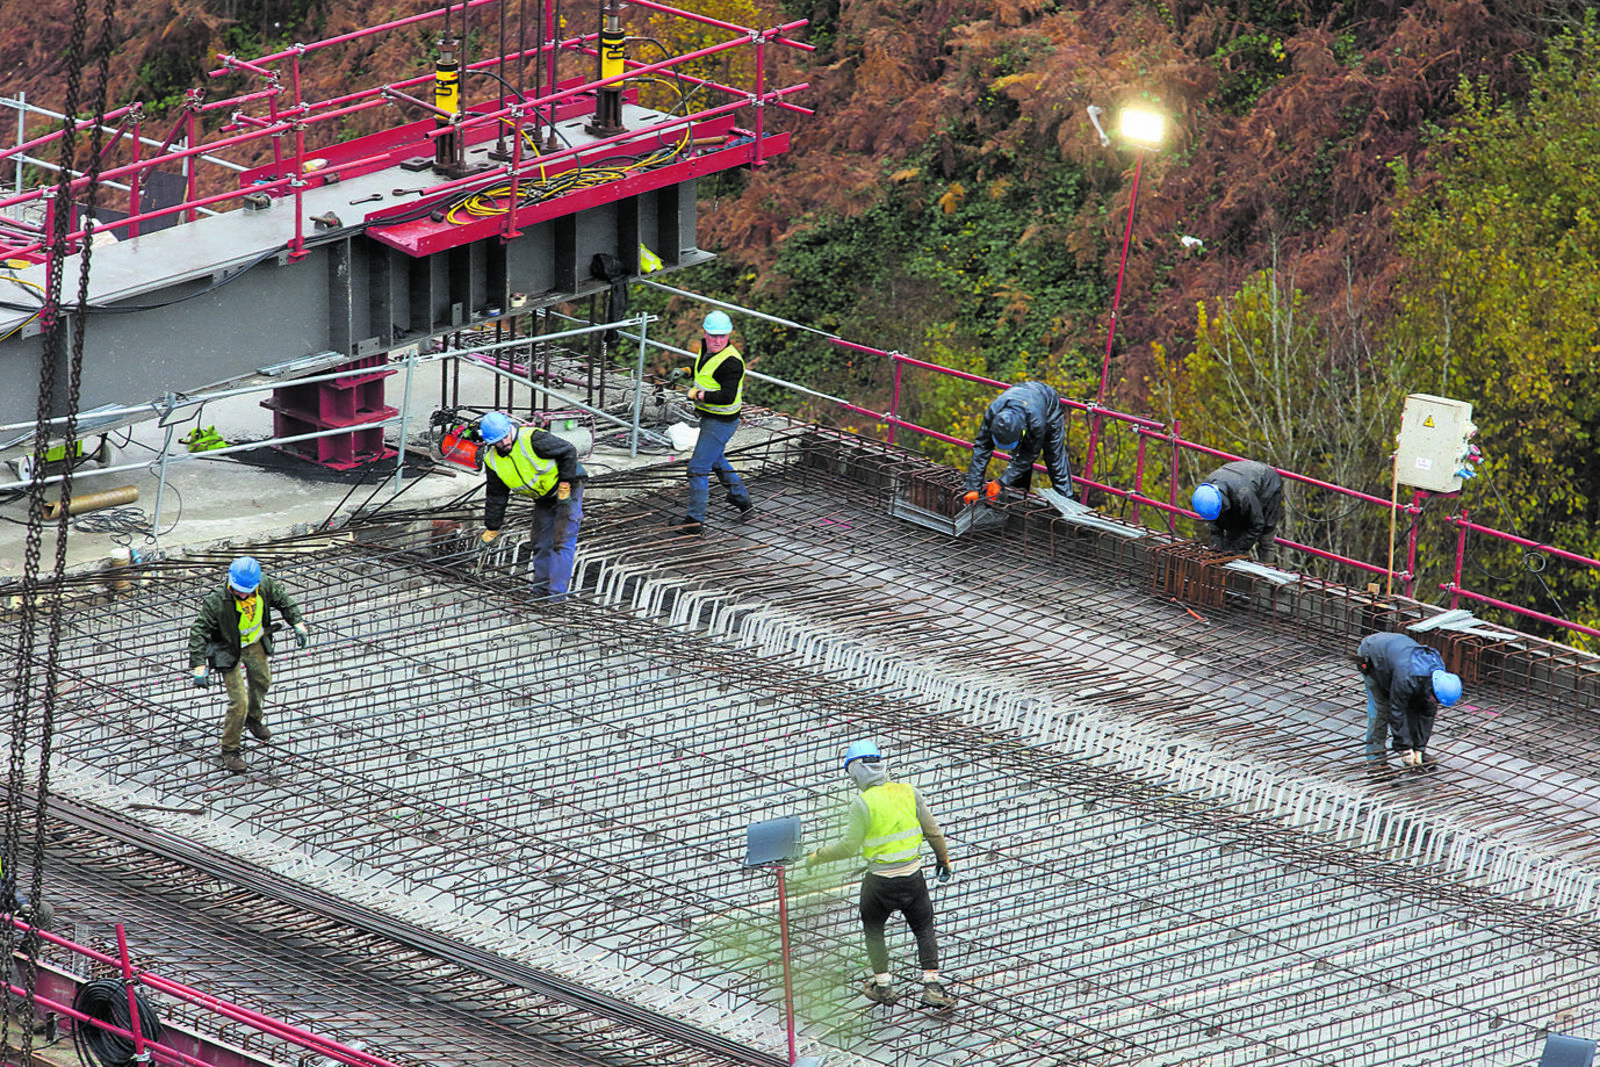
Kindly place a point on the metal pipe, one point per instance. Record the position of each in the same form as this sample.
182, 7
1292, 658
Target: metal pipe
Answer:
1111, 331
1461, 554
1566, 624
106, 498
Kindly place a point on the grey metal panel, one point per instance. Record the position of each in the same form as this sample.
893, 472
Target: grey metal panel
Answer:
530, 260
688, 198
627, 233
341, 330
564, 254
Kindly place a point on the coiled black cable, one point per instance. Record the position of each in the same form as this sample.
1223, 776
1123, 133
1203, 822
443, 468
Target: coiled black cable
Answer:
106, 1000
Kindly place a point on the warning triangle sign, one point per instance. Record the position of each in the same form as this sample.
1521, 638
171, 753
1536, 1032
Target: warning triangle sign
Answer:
1428, 421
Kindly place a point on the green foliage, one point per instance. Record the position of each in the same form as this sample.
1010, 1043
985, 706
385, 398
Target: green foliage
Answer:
1250, 64
983, 269
1502, 298
1271, 382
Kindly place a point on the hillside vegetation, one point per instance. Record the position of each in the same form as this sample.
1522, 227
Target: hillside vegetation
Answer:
1387, 198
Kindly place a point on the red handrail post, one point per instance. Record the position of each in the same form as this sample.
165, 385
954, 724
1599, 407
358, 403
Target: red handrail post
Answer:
129, 986
1172, 485
510, 231
788, 980
134, 208
760, 104
1461, 555
1414, 509
191, 164
1111, 331
894, 397
1138, 475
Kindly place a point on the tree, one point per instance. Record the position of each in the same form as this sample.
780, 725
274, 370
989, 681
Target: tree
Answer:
1271, 382
1501, 301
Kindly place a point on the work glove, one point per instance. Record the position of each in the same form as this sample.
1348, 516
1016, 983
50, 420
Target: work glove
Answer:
941, 873
563, 490
490, 535
301, 637
992, 490
971, 498
811, 860
202, 677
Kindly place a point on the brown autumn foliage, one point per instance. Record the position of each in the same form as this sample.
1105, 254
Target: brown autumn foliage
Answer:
1304, 165
1284, 118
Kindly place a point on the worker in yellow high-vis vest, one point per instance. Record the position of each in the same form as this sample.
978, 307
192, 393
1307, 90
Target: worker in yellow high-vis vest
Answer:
540, 466
718, 395
233, 634
887, 824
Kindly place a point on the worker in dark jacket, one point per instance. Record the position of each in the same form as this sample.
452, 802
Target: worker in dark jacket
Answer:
232, 636
1243, 501
887, 823
535, 463
718, 395
1026, 421
1406, 682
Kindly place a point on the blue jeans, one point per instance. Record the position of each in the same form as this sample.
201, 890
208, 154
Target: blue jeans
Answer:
708, 457
1377, 726
555, 542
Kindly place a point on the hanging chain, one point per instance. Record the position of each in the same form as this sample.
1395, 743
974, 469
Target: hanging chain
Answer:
53, 350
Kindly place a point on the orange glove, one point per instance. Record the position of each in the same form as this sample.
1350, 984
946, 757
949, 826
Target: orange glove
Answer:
970, 499
563, 490
992, 490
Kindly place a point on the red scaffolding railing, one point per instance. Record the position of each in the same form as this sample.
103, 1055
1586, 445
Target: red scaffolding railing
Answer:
1149, 430
291, 117
56, 995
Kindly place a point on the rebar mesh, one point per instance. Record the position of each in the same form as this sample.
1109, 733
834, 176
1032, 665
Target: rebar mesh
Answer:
1166, 850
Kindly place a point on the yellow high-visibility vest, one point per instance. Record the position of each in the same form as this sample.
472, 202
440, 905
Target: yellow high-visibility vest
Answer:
252, 610
893, 833
705, 377
522, 471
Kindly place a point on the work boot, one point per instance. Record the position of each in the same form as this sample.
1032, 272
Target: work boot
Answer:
934, 996
258, 729
743, 504
880, 994
1408, 758
233, 761
1427, 761
690, 525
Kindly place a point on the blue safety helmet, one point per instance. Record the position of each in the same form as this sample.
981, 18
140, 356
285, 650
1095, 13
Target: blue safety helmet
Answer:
1008, 426
494, 428
718, 324
1207, 502
862, 749
1446, 687
244, 575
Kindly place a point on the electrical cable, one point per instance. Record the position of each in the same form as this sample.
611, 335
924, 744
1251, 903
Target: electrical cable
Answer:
106, 1000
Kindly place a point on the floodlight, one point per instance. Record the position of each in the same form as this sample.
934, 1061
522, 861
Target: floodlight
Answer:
1143, 128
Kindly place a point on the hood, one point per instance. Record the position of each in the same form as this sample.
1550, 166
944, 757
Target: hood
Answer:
866, 774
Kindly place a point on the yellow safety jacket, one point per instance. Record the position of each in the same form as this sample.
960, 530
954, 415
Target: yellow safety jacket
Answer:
893, 833
523, 471
705, 377
252, 613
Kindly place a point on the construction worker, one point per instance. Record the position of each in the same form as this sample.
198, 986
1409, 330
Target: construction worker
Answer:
13, 901
718, 395
1243, 502
535, 463
1024, 421
886, 825
232, 635
1406, 683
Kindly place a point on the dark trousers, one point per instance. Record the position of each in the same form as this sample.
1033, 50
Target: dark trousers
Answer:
907, 894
